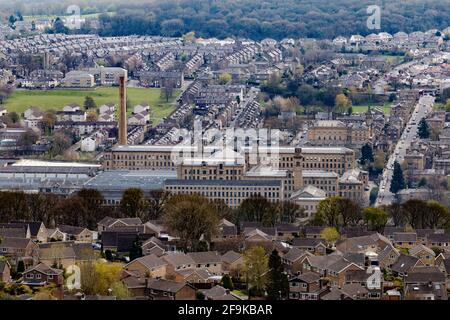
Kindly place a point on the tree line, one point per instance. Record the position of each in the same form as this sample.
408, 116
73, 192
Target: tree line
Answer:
270, 19
338, 212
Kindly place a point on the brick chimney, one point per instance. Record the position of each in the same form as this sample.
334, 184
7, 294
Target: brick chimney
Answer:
122, 111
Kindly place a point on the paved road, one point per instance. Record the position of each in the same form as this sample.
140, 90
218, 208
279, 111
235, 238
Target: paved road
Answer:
422, 108
249, 97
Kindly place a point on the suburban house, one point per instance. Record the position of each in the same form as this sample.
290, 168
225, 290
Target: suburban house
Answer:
160, 289
41, 275
148, 266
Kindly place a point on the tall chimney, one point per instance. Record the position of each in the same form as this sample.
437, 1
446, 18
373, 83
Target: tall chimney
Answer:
122, 112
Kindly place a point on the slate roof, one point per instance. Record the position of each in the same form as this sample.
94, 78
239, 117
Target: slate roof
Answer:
151, 261
405, 237
231, 256
165, 285
205, 257
425, 275
307, 242
177, 259
404, 263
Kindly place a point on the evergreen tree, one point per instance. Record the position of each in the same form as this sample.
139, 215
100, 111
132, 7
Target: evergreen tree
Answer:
227, 283
398, 181
366, 154
277, 284
424, 130
89, 103
136, 250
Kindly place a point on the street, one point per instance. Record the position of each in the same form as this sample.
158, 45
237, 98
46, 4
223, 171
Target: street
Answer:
422, 108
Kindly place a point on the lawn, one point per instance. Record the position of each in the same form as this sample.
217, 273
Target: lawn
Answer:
56, 99
361, 109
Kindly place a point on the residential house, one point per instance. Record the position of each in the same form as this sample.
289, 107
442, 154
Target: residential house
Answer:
293, 260
313, 245
160, 289
5, 272
405, 239
219, 293
441, 241
307, 286
209, 260
38, 231
176, 262
78, 234
111, 223
425, 283
232, 261
19, 249
42, 275
404, 264
425, 254
58, 254
149, 266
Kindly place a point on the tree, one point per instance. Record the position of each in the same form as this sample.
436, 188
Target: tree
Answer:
341, 102
167, 90
91, 116
398, 181
258, 209
156, 202
415, 212
227, 283
438, 216
423, 130
28, 138
92, 200
120, 290
373, 195
337, 211
59, 27
375, 218
395, 211
191, 218
48, 121
277, 282
255, 269
290, 212
133, 203
224, 78
89, 103
366, 154
330, 234
136, 250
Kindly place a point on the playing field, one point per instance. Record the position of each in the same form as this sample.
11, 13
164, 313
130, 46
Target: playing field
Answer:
361, 109
56, 99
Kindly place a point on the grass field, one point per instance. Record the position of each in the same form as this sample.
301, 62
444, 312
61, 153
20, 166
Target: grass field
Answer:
361, 109
56, 99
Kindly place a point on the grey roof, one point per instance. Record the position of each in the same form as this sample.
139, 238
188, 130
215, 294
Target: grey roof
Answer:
234, 183
335, 294
205, 257
309, 277
124, 179
43, 268
231, 256
150, 261
165, 285
178, 258
404, 263
436, 237
420, 247
356, 276
405, 237
33, 225
425, 275
294, 254
353, 289
20, 243
307, 242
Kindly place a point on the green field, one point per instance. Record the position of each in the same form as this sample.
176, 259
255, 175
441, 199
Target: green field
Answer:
56, 99
360, 109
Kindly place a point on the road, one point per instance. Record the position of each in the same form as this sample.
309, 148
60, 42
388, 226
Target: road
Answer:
249, 97
422, 108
